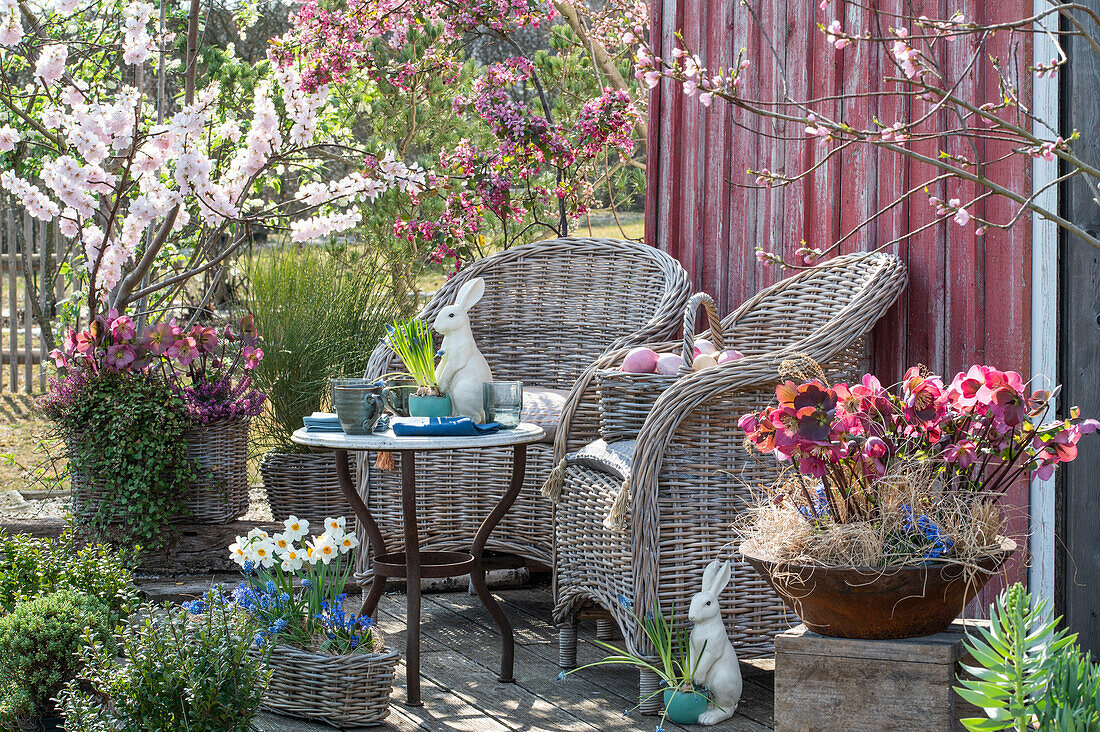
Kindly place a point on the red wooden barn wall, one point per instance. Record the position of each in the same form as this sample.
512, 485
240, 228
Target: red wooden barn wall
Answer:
968, 300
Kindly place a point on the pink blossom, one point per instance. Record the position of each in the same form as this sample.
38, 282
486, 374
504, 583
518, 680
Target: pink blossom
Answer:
184, 350
51, 63
8, 138
119, 357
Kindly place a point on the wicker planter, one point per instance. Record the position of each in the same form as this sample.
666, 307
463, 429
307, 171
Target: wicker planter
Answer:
305, 485
344, 691
218, 496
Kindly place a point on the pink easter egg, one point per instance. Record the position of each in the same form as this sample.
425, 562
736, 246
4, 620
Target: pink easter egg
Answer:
669, 364
730, 355
703, 346
640, 361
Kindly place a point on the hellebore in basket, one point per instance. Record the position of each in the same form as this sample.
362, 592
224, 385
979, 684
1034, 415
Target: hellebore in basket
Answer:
918, 469
208, 369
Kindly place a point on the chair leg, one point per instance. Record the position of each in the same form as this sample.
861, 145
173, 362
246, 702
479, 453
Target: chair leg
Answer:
567, 643
605, 629
649, 702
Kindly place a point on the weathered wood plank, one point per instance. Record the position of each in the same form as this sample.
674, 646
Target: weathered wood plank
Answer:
1079, 361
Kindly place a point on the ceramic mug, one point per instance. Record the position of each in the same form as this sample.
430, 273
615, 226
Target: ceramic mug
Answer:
359, 404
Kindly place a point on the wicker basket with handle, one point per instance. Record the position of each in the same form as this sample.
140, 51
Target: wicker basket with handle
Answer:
344, 691
627, 398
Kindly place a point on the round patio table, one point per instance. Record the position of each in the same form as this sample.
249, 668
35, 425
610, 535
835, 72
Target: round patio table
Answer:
412, 563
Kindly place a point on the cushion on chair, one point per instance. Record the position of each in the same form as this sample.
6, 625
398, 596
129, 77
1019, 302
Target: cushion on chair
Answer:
543, 407
609, 457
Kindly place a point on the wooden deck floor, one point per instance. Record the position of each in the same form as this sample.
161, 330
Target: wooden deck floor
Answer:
459, 663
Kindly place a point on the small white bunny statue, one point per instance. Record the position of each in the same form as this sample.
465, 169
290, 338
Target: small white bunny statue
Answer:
462, 371
711, 649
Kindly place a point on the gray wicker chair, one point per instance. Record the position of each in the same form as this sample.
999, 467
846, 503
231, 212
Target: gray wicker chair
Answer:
683, 482
550, 309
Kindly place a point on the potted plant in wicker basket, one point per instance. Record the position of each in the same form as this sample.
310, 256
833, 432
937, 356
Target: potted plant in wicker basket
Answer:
885, 521
155, 424
319, 315
327, 664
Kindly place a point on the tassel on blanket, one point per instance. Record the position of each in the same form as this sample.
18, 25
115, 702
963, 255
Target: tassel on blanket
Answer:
552, 487
616, 517
384, 461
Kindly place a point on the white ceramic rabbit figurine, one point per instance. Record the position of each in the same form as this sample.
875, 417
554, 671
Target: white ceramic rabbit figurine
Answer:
462, 371
711, 649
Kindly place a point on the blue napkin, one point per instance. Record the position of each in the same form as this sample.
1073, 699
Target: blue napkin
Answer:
441, 427
322, 422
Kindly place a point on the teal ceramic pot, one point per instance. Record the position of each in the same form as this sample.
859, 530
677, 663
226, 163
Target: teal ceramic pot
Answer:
429, 406
684, 707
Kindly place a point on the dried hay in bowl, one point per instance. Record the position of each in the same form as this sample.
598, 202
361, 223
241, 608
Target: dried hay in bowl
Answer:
777, 525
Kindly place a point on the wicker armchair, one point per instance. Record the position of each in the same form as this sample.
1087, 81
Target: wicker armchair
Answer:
684, 480
550, 309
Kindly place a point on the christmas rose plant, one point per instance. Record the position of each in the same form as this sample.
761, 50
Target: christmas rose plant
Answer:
208, 370
909, 459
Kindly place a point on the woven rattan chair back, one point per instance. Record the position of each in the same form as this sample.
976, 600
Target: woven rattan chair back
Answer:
550, 309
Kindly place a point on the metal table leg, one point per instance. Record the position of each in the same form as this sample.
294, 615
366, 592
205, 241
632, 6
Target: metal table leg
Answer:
412, 578
374, 535
477, 576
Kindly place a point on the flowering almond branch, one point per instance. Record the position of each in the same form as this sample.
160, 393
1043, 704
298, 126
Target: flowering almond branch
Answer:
970, 135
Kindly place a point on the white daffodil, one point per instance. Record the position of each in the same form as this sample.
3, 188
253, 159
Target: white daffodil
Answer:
324, 549
292, 560
236, 550
335, 524
282, 543
296, 528
257, 534
264, 551
347, 543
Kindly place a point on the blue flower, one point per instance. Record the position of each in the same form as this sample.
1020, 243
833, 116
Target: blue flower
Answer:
562, 675
625, 601
279, 625
249, 566
259, 639
270, 587
284, 597
660, 729
194, 607
307, 584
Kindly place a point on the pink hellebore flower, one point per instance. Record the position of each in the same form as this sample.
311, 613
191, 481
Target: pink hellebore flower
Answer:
119, 357
123, 329
206, 339
160, 338
60, 360
186, 350
85, 343
252, 357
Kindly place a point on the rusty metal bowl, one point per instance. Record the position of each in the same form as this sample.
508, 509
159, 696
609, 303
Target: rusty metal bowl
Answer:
878, 602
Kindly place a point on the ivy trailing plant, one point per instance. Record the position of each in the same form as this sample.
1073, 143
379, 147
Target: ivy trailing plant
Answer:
1030, 674
125, 438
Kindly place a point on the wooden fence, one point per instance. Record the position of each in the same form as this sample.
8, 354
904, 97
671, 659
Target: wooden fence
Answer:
24, 358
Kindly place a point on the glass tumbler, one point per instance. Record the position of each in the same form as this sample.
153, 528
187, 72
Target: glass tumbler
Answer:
504, 402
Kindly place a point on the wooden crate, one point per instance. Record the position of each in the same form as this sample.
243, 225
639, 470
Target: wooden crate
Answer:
824, 683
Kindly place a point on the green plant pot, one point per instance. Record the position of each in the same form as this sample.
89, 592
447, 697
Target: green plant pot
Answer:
684, 707
429, 406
